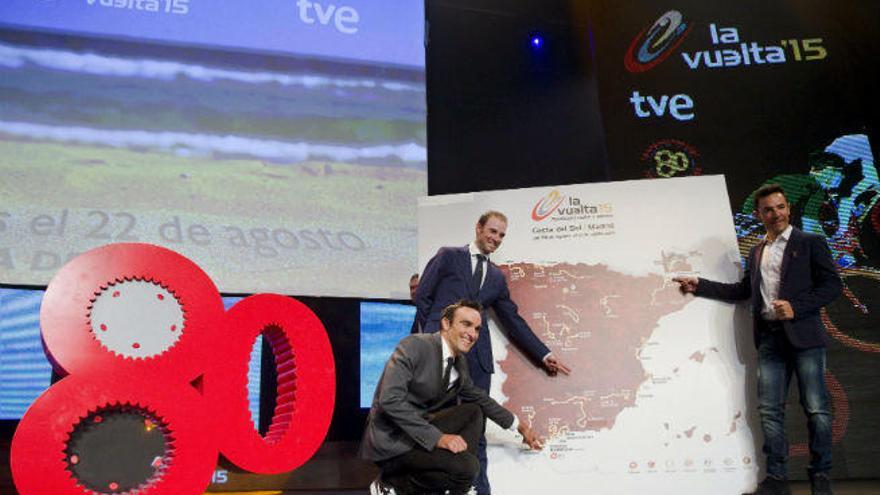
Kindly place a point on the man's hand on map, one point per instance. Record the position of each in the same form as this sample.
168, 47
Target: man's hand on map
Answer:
555, 366
530, 438
783, 309
688, 285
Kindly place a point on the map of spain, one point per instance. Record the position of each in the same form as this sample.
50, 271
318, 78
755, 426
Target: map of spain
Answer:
595, 319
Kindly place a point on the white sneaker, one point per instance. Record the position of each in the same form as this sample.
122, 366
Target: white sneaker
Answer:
472, 491
378, 488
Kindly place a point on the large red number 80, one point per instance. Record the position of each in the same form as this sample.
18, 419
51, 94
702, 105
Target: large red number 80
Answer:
139, 327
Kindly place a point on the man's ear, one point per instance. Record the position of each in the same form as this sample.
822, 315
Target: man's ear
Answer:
444, 324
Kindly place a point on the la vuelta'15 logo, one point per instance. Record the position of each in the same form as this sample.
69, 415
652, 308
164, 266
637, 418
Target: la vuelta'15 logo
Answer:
141, 334
654, 44
547, 205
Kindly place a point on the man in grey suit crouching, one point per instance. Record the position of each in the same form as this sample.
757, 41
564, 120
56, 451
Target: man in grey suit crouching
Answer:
427, 415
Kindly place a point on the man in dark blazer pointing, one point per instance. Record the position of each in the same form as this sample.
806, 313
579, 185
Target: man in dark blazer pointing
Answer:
789, 277
465, 272
427, 414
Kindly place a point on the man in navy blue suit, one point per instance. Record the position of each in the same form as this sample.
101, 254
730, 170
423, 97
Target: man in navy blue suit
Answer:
789, 277
456, 273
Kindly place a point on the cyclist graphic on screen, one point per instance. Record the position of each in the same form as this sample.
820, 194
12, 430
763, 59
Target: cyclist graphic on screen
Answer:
837, 199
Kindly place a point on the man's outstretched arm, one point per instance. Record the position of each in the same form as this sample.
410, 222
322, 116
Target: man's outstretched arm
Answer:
520, 332
711, 289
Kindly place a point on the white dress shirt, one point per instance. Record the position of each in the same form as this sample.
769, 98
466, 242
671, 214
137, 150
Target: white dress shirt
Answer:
472, 248
771, 270
447, 353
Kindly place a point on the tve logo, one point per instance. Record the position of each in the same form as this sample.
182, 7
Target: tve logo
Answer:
345, 19
680, 106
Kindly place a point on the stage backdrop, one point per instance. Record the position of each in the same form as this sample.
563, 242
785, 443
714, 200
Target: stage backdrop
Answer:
279, 144
660, 396
767, 92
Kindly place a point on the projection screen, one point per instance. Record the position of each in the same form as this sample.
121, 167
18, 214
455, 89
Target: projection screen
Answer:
280, 144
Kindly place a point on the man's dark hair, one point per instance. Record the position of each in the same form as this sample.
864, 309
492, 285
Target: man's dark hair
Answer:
413, 277
449, 311
767, 190
489, 214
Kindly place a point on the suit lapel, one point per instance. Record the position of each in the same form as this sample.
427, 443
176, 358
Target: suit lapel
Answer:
491, 273
452, 392
461, 367
791, 249
444, 395
465, 267
437, 371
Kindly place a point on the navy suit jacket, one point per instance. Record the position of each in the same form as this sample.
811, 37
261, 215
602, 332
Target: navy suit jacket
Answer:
447, 279
808, 280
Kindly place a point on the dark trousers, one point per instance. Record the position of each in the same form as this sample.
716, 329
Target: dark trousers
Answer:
777, 361
420, 471
484, 381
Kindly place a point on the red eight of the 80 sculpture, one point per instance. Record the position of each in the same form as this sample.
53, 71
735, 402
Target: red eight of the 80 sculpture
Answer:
141, 329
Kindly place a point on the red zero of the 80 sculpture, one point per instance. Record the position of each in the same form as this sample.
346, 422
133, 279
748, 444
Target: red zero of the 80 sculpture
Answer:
136, 327
306, 385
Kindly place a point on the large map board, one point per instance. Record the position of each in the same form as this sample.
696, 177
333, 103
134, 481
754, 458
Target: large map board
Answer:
660, 399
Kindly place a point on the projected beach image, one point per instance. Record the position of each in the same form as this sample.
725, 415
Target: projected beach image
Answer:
272, 173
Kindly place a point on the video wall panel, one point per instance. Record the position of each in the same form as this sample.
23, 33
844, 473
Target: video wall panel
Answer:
383, 325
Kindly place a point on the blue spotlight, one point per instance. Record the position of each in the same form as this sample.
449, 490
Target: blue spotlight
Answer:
536, 41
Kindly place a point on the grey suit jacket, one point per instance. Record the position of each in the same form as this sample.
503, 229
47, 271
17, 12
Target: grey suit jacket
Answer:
410, 391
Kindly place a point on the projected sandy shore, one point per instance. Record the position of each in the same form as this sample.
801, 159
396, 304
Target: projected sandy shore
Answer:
248, 223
